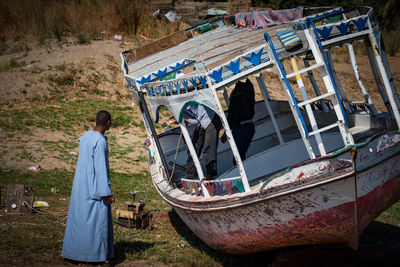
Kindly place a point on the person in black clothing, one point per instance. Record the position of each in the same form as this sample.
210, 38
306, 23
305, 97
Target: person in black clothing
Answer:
240, 114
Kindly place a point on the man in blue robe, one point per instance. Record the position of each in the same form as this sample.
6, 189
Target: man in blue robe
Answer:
89, 231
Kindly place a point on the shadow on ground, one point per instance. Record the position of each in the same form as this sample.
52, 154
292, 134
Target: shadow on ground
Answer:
123, 248
379, 246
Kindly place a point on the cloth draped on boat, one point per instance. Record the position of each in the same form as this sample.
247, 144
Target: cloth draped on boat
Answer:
267, 18
175, 103
89, 233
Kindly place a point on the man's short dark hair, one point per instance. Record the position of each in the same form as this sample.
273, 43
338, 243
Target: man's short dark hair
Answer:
102, 117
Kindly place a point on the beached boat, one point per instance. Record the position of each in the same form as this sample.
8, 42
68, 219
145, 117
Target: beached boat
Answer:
319, 169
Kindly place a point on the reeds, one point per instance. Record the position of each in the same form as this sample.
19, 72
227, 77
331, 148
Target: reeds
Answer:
392, 42
84, 19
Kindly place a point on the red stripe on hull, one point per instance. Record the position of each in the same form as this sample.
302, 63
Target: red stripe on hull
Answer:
334, 225
375, 202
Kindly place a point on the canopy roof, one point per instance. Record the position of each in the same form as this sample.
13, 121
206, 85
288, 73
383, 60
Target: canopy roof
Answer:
223, 56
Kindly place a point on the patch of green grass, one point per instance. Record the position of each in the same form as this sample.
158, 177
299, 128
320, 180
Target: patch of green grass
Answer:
24, 154
30, 235
94, 78
391, 215
43, 181
97, 91
62, 80
70, 119
66, 150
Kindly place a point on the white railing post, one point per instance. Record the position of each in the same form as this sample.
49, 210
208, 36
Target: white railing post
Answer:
230, 138
264, 91
358, 77
195, 158
377, 50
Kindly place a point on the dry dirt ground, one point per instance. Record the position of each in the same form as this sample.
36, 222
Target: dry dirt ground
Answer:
51, 76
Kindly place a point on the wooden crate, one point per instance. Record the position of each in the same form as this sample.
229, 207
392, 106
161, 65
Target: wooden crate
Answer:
136, 207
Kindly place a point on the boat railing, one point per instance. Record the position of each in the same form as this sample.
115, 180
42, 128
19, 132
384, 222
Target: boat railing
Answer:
167, 72
362, 25
327, 167
343, 30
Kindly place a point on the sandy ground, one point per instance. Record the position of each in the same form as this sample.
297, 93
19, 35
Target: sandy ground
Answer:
28, 84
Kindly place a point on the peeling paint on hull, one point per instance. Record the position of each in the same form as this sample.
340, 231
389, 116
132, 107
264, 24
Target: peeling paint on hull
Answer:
321, 215
332, 211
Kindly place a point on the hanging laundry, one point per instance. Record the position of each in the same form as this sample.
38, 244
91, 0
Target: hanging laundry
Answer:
263, 19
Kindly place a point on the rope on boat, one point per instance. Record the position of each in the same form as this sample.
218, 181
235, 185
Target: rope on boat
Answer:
198, 51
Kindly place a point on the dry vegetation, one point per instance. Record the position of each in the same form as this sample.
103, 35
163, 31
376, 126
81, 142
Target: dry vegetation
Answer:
84, 19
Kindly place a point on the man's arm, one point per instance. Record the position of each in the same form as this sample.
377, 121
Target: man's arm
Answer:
102, 187
173, 121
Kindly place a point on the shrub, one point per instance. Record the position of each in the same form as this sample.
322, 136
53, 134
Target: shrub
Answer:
392, 42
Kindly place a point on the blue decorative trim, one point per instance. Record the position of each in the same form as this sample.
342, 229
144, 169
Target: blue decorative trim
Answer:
216, 75
255, 58
234, 66
194, 82
178, 87
160, 72
343, 27
360, 23
185, 84
144, 79
171, 88
178, 65
329, 13
325, 32
203, 81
